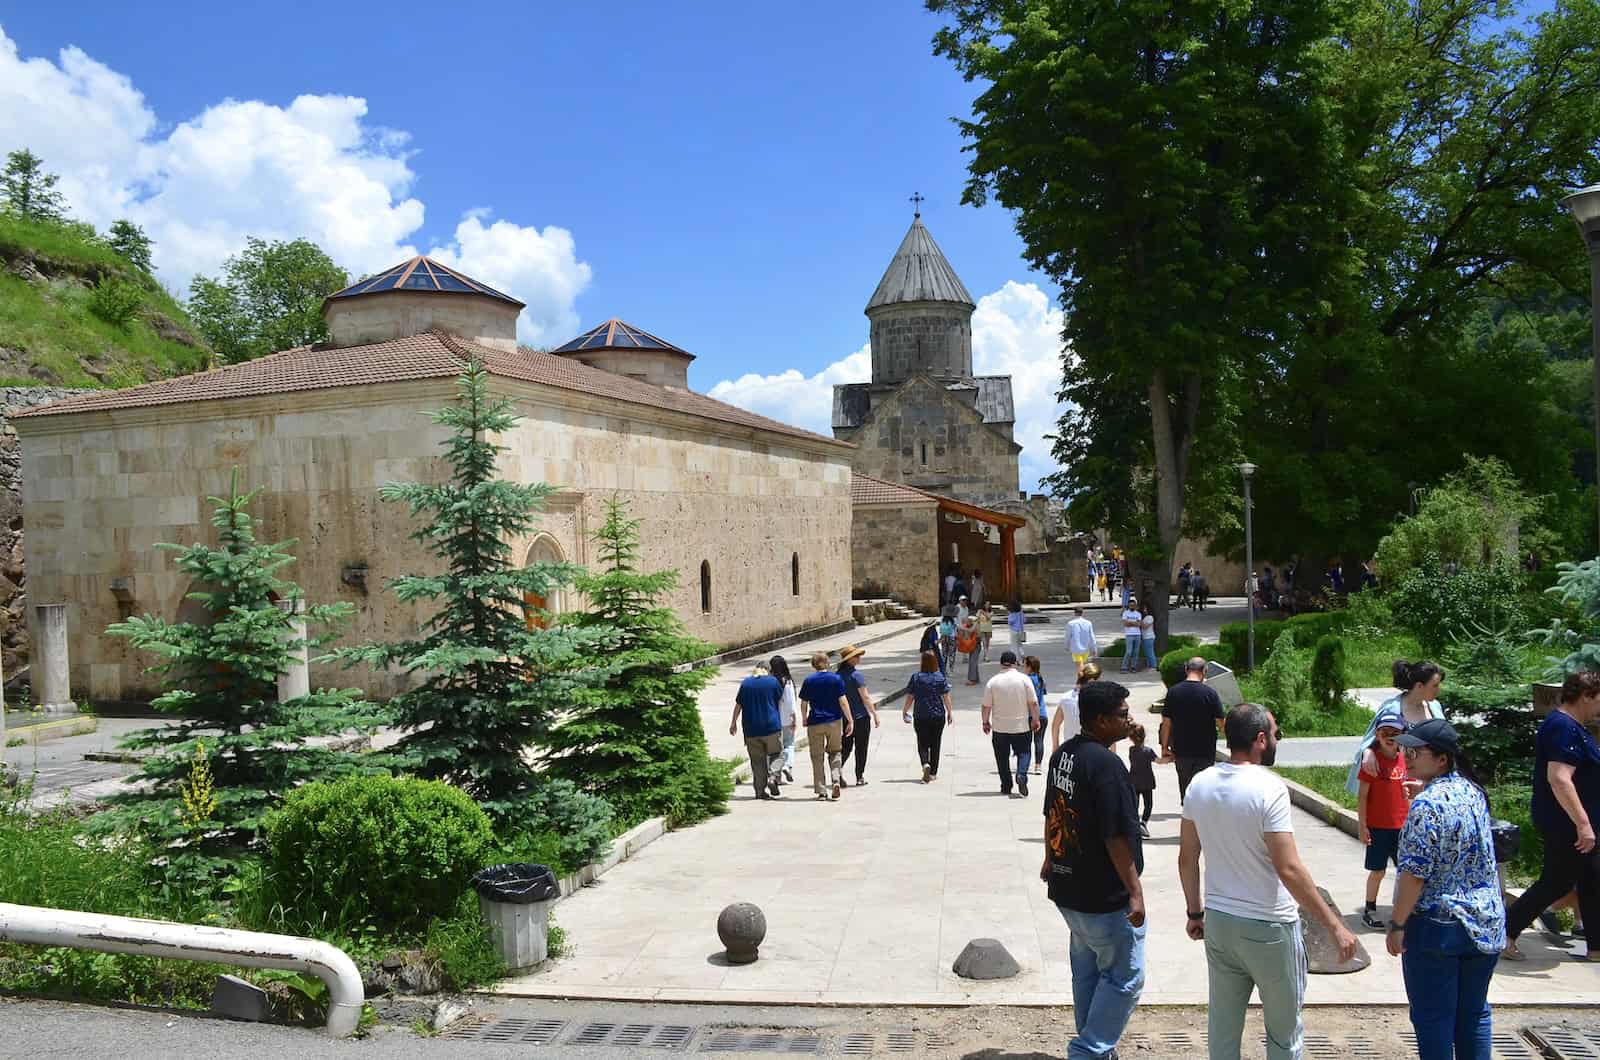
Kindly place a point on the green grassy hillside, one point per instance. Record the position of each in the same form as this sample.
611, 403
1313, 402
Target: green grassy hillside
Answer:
51, 279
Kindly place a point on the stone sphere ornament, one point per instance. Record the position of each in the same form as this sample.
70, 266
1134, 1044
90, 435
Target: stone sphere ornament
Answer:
741, 927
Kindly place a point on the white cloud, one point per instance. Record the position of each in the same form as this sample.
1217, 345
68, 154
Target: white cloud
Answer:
1016, 331
315, 168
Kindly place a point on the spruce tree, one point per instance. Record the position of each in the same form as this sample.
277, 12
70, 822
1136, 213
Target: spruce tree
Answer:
27, 191
636, 739
129, 240
236, 748
494, 681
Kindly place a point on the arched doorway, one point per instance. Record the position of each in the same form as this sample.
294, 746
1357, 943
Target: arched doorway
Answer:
535, 605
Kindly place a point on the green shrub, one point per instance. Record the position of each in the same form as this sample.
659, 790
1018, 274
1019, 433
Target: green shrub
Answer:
1511, 802
1328, 673
1283, 678
581, 824
1438, 607
115, 301
1313, 625
1175, 642
1172, 662
388, 852
1236, 635
1487, 699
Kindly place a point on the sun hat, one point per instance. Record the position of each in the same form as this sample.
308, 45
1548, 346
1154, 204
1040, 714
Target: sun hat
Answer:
850, 652
1435, 733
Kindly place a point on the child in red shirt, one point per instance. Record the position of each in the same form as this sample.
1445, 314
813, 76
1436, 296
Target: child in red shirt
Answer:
1381, 809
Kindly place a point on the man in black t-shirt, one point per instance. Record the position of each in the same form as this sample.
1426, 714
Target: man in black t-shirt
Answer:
1190, 722
1092, 861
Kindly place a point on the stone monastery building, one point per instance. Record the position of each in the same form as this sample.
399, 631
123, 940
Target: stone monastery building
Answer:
750, 511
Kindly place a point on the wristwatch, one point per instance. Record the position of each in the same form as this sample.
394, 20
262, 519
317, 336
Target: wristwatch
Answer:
1201, 915
1396, 927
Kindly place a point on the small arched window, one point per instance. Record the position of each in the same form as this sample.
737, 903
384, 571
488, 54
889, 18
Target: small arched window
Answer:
705, 585
924, 452
794, 574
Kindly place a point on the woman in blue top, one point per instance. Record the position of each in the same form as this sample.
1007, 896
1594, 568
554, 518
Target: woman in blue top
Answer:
825, 712
863, 711
1031, 665
928, 709
1418, 701
1448, 925
1016, 626
1566, 810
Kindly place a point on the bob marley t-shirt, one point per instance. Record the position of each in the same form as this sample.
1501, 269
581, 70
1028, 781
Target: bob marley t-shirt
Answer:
1088, 799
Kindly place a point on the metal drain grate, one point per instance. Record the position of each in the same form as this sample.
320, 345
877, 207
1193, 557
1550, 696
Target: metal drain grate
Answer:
639, 1035
1363, 1049
859, 1044
901, 1042
1509, 1045
1567, 1043
1319, 1048
762, 1042
488, 1029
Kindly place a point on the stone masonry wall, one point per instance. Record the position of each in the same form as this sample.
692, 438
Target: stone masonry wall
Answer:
13, 586
966, 459
932, 337
894, 553
104, 490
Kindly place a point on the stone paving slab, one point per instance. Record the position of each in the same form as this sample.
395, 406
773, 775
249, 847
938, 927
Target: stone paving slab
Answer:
870, 899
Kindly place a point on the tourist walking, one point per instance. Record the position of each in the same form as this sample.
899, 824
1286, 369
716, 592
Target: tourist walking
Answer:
758, 701
1185, 572
1016, 627
985, 630
1067, 723
1141, 767
967, 642
947, 640
977, 590
863, 711
789, 710
1132, 636
1147, 635
1010, 713
1237, 818
1092, 860
1191, 721
1381, 810
1417, 701
825, 712
1081, 643
1035, 672
1448, 925
1566, 810
928, 709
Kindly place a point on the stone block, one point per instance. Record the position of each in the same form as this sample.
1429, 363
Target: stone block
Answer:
236, 999
985, 959
1322, 956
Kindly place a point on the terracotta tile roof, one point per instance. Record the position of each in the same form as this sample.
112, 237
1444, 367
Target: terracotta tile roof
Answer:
864, 489
431, 355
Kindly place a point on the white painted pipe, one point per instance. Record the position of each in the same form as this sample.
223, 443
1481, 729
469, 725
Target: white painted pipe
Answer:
39, 926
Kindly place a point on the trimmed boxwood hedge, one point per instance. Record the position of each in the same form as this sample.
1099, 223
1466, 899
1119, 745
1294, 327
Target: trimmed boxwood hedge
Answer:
1172, 662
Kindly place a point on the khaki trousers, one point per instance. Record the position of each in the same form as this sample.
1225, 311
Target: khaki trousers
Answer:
766, 758
826, 741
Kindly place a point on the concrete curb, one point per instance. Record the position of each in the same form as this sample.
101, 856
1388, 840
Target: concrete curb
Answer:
1323, 808
53, 730
623, 847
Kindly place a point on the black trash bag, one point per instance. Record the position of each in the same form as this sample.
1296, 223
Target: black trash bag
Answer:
518, 883
1507, 838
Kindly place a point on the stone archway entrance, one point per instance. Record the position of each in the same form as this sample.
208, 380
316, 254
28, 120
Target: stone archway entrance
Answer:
536, 606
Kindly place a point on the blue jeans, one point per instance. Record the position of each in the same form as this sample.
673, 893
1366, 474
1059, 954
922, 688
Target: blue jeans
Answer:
1150, 652
1107, 957
1007, 744
1130, 651
1447, 983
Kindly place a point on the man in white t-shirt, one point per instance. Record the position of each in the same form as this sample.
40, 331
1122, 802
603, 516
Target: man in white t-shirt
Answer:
1255, 886
1080, 639
1010, 717
1132, 635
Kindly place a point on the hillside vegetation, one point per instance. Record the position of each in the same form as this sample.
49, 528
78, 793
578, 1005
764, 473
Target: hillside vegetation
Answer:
73, 312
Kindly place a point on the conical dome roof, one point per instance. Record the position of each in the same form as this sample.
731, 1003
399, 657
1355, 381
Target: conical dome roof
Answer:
919, 273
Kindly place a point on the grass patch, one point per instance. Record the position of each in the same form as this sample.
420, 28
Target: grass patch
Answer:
1507, 802
1369, 662
65, 244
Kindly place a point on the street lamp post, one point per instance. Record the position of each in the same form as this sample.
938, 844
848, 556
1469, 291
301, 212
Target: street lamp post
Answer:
1247, 469
1584, 205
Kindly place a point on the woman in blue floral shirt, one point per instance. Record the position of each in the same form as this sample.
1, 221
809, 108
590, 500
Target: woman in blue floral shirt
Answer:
1449, 922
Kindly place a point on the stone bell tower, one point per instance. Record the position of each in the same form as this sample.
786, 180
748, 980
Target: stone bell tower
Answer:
921, 314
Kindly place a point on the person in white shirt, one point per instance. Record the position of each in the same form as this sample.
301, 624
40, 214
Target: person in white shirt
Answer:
1238, 815
1132, 635
1010, 716
1080, 639
1067, 722
788, 708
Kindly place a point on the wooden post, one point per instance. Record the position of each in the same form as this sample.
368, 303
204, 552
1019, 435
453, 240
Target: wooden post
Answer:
1008, 563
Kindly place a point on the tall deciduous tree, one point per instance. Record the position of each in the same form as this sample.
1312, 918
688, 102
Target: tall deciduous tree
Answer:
268, 299
1163, 162
220, 669
27, 191
636, 739
495, 673
129, 240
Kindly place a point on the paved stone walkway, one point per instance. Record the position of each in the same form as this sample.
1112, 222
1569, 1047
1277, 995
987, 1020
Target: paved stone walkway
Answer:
869, 900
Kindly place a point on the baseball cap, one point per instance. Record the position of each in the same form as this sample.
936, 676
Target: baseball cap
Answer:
1435, 733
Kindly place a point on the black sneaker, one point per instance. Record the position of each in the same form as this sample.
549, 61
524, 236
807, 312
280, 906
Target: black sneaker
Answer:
1371, 918
772, 787
1022, 785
